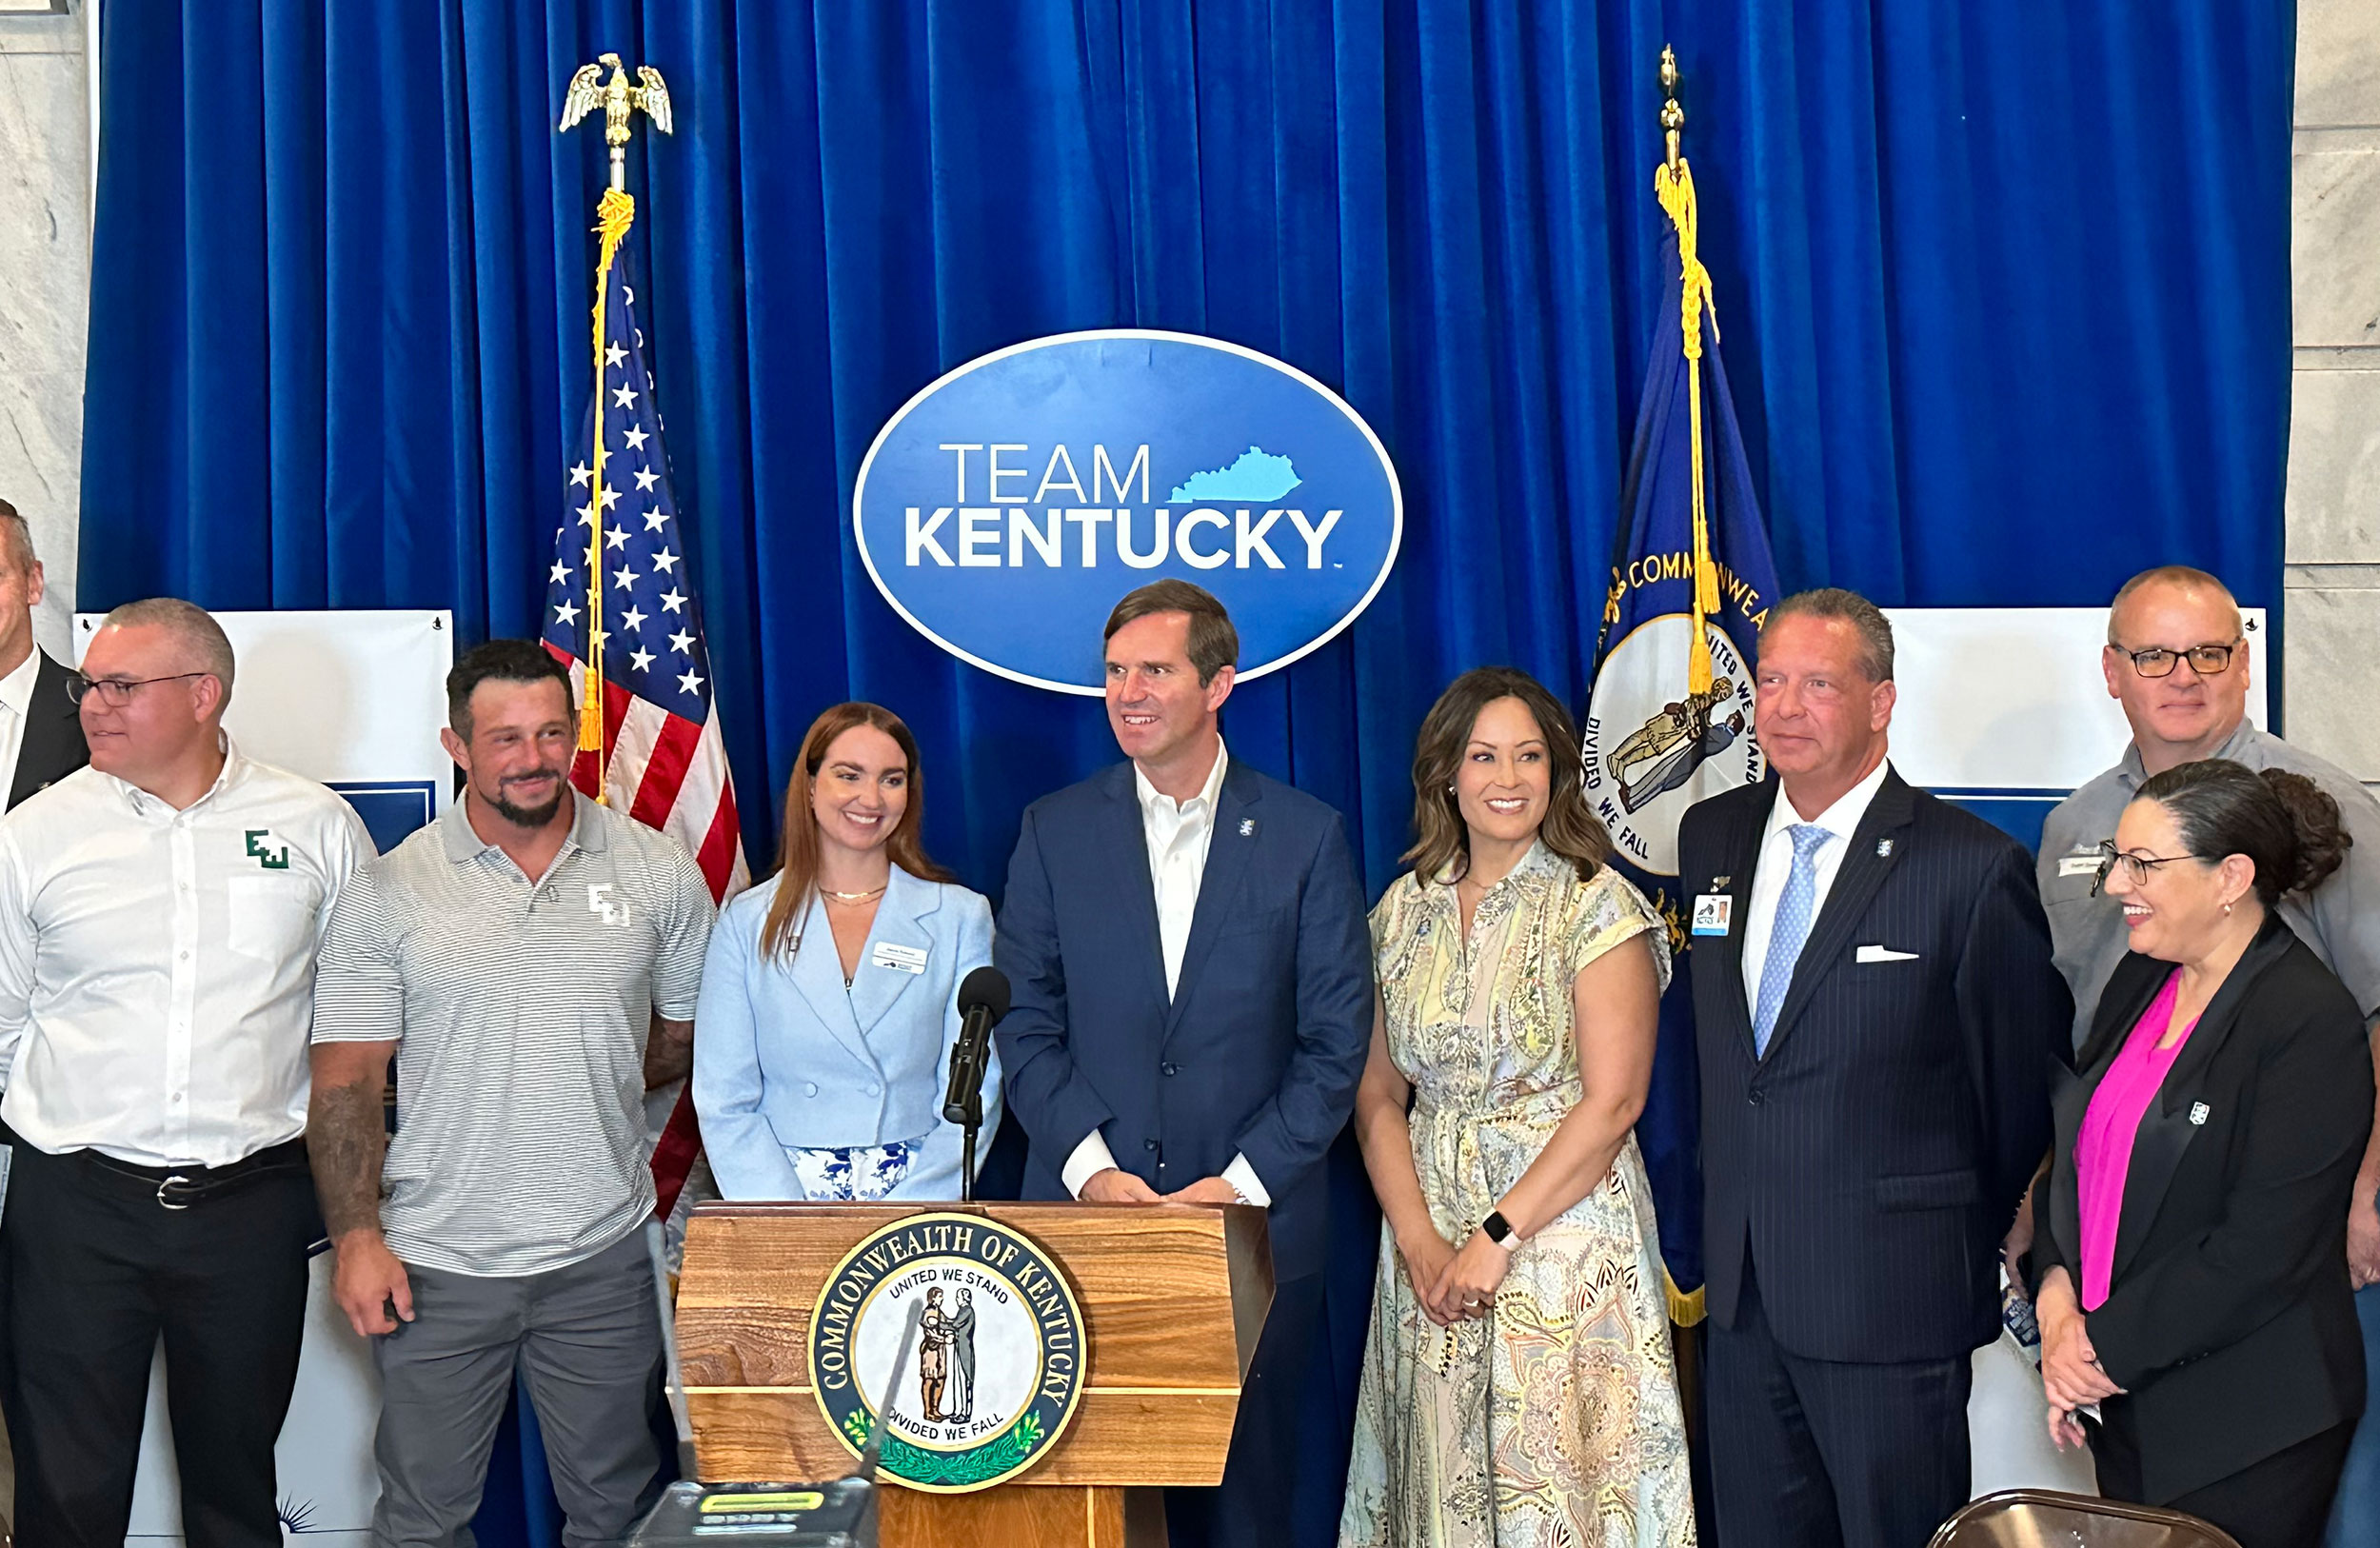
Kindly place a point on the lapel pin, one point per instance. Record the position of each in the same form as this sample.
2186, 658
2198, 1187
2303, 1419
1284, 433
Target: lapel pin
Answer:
1884, 849
1247, 827
2198, 1111
1718, 883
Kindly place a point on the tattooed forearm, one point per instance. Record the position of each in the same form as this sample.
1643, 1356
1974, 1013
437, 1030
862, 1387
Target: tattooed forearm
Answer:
344, 1137
668, 1051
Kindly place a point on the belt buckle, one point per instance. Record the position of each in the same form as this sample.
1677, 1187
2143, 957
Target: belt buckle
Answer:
177, 1180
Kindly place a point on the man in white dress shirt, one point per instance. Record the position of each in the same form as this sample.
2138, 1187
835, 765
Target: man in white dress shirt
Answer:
159, 914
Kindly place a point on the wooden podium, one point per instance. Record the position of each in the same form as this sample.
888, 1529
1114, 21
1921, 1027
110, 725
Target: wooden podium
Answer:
1173, 1299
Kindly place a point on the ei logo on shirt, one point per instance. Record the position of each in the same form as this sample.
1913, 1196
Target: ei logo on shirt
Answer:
272, 860
614, 911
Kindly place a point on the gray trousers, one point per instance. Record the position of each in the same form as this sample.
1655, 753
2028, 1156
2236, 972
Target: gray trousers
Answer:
587, 1340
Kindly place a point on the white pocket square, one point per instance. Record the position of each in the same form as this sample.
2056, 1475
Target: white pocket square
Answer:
1884, 954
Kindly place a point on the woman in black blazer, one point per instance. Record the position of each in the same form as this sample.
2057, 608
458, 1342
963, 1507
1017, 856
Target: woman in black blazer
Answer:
2192, 1285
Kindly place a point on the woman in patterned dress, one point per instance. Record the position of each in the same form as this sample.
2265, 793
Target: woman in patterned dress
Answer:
1518, 1393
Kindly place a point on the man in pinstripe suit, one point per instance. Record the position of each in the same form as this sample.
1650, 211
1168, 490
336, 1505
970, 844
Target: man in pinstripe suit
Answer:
1877, 1014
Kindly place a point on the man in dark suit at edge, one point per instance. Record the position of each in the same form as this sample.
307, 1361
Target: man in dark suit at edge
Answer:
1877, 1015
1192, 973
41, 733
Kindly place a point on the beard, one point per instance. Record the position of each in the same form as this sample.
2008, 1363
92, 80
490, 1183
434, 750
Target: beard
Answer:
536, 816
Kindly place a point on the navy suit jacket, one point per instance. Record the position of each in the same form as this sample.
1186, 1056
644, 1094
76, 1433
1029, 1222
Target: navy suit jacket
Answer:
1874, 1158
1259, 1049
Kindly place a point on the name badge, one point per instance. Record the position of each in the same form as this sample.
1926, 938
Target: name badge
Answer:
2077, 866
1713, 912
900, 958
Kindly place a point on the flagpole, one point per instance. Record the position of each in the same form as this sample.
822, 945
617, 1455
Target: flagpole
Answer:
614, 213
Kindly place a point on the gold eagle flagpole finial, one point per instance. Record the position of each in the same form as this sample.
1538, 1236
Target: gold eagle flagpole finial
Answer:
618, 99
614, 212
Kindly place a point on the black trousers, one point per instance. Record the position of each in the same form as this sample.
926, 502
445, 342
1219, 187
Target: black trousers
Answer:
2282, 1502
1830, 1454
1249, 1507
97, 1270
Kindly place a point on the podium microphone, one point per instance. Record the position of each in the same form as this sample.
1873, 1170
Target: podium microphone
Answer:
982, 1000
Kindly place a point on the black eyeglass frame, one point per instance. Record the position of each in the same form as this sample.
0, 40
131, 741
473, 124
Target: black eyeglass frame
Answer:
2141, 864
2175, 658
115, 691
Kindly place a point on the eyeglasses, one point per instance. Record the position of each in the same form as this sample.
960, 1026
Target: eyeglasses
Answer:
2206, 660
115, 692
2137, 867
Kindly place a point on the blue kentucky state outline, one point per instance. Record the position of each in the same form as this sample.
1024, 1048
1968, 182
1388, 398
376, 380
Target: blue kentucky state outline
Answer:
1257, 474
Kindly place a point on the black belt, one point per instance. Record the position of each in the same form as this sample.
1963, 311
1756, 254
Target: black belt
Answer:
179, 1187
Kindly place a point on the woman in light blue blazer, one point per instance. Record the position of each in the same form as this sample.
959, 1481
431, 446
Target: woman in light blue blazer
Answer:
829, 997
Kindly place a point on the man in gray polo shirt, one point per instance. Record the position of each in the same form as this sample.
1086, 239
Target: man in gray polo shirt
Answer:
529, 959
2178, 661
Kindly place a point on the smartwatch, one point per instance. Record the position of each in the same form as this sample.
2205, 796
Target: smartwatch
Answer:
1498, 1230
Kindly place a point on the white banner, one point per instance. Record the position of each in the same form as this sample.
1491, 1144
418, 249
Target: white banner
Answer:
356, 700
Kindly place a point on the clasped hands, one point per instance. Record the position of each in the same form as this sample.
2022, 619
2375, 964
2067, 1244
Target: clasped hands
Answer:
1455, 1286
1114, 1185
2072, 1377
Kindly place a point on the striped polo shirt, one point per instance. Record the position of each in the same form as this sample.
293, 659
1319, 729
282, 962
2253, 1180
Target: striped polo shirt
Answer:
522, 1009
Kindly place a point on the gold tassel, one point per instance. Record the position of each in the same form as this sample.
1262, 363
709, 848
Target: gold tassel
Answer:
1675, 190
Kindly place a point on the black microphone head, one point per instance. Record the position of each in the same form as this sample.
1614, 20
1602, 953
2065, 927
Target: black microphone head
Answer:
986, 989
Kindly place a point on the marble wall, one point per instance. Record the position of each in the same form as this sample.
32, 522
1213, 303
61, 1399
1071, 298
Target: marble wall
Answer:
45, 256
2331, 626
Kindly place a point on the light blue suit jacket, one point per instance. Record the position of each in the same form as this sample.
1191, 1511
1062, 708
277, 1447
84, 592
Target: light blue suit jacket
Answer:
786, 1058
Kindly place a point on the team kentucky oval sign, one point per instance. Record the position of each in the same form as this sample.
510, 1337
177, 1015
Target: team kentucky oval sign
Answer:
1006, 508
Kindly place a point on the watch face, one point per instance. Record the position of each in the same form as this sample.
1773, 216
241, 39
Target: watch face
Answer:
1497, 1227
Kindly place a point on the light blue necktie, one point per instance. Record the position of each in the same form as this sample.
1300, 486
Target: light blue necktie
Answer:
1797, 910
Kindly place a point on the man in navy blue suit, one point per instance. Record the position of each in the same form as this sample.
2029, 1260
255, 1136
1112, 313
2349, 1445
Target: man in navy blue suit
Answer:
1192, 975
1877, 1015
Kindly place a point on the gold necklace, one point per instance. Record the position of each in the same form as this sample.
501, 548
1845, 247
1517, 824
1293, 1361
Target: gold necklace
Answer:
854, 898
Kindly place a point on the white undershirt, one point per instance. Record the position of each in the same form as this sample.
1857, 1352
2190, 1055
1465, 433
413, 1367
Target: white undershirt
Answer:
1179, 833
1776, 864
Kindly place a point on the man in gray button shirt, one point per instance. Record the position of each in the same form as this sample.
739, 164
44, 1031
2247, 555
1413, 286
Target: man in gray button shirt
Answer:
2178, 661
532, 960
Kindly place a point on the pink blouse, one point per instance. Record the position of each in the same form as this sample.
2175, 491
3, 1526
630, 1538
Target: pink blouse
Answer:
2103, 1151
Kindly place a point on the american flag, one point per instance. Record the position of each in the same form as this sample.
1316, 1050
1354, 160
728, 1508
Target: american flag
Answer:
663, 761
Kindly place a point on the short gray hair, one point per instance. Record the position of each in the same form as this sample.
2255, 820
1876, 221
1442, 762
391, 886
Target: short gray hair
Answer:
192, 626
19, 536
2181, 577
1832, 602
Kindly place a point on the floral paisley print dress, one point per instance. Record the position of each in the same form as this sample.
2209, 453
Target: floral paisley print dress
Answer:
1552, 1422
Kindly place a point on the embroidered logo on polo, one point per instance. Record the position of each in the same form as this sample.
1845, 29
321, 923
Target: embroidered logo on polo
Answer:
272, 860
1001, 1353
600, 901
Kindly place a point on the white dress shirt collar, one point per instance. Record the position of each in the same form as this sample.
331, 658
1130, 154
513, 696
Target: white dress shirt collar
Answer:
1842, 819
1156, 806
234, 769
16, 690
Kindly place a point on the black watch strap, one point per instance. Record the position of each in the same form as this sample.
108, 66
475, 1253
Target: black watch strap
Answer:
1496, 1228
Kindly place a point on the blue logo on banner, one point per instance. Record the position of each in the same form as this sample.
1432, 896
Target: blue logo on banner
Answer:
1006, 508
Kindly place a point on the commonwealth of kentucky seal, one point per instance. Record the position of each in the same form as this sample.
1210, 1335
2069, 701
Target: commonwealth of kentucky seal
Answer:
1654, 748
1001, 1357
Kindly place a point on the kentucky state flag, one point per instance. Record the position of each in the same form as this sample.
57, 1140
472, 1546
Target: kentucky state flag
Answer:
1670, 717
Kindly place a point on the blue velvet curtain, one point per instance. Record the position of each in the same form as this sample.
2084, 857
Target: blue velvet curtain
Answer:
2004, 292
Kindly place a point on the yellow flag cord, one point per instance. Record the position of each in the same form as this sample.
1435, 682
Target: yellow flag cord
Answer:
1676, 189
614, 213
